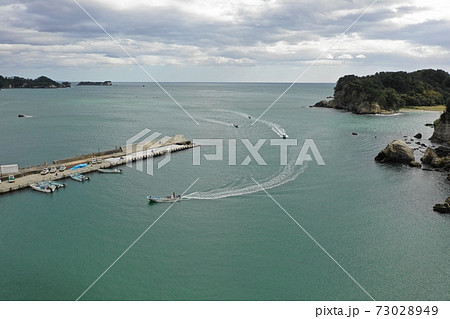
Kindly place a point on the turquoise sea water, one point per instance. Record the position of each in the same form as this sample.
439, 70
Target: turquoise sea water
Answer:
230, 241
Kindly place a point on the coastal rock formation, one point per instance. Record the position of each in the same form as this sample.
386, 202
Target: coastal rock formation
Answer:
437, 158
415, 164
357, 106
418, 135
443, 208
396, 152
389, 91
441, 132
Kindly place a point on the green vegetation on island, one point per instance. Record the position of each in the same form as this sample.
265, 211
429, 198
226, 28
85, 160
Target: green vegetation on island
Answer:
40, 82
390, 91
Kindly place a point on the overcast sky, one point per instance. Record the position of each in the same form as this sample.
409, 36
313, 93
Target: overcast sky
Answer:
240, 40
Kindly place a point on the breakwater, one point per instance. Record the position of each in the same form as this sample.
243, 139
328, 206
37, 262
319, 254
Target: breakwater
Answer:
119, 156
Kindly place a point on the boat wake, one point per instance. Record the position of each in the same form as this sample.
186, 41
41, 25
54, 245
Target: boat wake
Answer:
289, 173
216, 121
284, 175
281, 132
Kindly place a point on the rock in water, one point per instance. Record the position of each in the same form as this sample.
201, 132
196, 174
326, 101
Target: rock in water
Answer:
396, 152
415, 164
443, 208
440, 157
418, 135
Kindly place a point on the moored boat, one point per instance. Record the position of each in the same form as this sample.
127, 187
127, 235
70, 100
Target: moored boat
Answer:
57, 184
45, 171
43, 187
110, 170
79, 177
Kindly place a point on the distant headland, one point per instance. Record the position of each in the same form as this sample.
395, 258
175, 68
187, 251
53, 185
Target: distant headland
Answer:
107, 83
387, 92
41, 82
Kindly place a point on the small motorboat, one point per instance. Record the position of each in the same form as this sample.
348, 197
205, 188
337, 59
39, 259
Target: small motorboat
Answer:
56, 184
94, 161
20, 115
53, 169
160, 199
62, 168
110, 170
99, 160
235, 125
43, 187
79, 177
284, 136
45, 171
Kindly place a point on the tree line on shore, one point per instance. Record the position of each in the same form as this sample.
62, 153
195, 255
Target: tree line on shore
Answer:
40, 82
394, 90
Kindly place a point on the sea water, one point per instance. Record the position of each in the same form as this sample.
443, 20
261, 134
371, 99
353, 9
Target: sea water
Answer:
229, 240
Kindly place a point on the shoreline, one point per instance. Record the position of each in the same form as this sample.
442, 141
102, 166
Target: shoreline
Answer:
435, 108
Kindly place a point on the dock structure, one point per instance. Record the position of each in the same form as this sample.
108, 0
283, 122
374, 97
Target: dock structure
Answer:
119, 156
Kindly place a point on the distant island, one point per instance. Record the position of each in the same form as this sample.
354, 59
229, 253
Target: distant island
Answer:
41, 82
95, 83
390, 91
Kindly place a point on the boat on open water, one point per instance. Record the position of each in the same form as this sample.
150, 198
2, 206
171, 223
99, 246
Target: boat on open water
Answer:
161, 199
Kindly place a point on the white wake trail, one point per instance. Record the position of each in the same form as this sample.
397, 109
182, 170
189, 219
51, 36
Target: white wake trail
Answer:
216, 121
280, 131
287, 174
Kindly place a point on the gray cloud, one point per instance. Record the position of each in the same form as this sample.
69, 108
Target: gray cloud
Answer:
288, 32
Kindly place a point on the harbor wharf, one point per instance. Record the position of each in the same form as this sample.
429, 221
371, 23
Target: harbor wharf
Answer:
106, 159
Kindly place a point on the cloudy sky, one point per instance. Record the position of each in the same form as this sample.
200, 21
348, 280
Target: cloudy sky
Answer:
238, 40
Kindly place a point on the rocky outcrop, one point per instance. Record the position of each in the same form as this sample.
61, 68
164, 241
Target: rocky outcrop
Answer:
437, 158
389, 91
356, 106
397, 152
443, 208
442, 130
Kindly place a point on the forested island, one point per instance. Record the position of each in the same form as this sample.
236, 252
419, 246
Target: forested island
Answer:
95, 83
390, 91
38, 83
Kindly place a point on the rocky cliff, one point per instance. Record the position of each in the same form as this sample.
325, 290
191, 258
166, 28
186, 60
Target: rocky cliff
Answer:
389, 91
441, 132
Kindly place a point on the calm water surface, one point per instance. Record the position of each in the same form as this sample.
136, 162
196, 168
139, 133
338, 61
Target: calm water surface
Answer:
230, 241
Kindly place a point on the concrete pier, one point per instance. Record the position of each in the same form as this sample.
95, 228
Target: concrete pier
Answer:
116, 157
